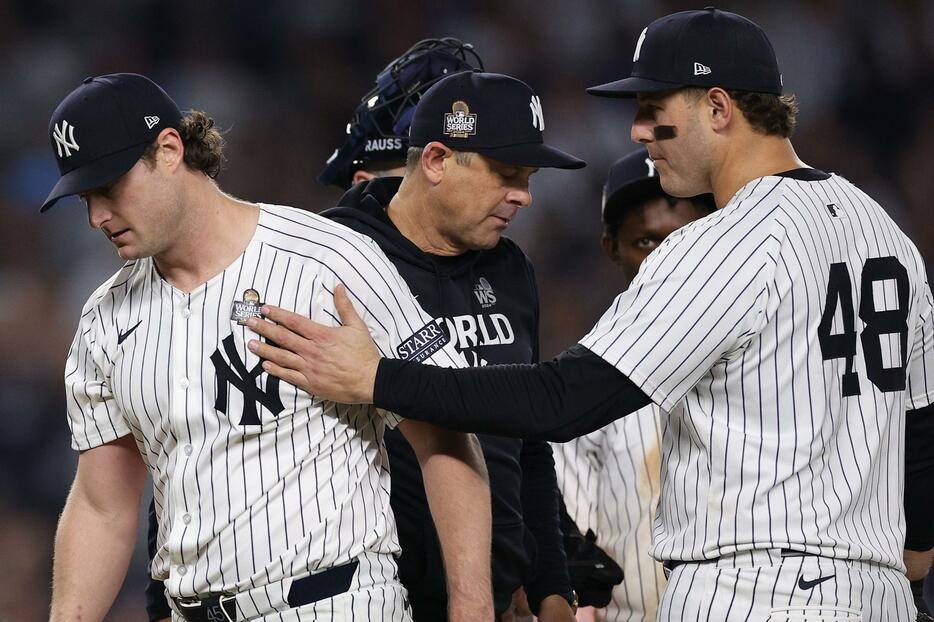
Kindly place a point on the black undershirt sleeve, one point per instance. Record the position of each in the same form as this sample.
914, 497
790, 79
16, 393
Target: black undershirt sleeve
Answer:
919, 478
575, 393
157, 607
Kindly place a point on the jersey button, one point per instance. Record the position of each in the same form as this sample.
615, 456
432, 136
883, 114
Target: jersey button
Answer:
186, 313
184, 383
187, 450
182, 570
186, 518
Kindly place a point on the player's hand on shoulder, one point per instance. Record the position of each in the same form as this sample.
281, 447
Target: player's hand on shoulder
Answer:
335, 363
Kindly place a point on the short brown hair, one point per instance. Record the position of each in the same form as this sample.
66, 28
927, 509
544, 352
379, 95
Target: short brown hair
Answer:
772, 115
769, 114
204, 144
414, 154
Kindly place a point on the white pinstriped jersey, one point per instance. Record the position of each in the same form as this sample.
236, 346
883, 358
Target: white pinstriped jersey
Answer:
610, 481
254, 480
784, 337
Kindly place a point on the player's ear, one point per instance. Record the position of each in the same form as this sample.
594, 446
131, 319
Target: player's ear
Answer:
610, 247
434, 160
720, 108
362, 175
170, 149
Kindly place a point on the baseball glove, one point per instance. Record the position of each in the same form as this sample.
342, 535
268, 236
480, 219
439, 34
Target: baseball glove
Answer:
593, 573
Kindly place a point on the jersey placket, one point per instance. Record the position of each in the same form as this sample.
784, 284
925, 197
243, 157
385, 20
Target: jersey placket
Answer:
184, 480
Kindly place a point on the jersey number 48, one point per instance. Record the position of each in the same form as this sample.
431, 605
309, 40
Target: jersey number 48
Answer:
892, 321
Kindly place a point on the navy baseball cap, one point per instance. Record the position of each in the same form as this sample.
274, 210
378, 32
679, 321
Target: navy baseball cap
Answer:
100, 130
632, 180
488, 113
707, 48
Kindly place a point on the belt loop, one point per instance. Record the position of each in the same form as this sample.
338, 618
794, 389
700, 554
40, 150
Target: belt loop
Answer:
231, 601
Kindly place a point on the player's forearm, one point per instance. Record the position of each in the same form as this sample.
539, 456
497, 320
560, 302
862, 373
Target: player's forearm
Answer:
92, 552
574, 394
918, 564
919, 479
540, 511
459, 497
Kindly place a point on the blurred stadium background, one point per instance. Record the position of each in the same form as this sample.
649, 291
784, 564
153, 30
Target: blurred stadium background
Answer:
282, 77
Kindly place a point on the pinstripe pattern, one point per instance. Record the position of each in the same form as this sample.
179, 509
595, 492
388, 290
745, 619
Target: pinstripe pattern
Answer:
610, 482
720, 328
767, 588
242, 506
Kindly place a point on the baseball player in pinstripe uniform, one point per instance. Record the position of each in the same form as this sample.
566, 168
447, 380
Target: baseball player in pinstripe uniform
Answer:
610, 478
375, 146
788, 339
273, 503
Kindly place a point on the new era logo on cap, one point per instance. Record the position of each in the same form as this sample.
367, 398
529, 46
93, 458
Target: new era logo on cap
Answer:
700, 69
64, 143
150, 121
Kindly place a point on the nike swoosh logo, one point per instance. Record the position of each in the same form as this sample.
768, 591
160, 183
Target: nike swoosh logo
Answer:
807, 585
121, 337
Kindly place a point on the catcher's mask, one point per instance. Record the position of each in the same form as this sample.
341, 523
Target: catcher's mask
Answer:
378, 130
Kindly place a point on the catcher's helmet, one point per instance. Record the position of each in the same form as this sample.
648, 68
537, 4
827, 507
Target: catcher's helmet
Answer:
378, 131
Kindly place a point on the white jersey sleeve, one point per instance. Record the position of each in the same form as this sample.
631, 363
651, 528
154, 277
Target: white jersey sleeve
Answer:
578, 464
397, 323
920, 373
93, 416
693, 303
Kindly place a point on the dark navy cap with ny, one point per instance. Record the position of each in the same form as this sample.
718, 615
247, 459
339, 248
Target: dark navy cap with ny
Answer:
704, 48
100, 130
631, 179
487, 113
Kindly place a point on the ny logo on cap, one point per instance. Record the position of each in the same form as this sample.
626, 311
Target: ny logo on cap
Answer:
62, 142
538, 118
460, 122
639, 43
651, 165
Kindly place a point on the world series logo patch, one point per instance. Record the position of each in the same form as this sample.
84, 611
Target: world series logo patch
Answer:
460, 122
426, 341
242, 310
